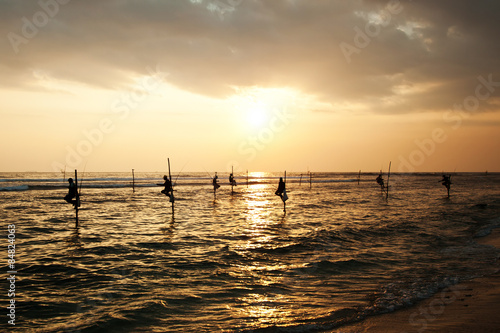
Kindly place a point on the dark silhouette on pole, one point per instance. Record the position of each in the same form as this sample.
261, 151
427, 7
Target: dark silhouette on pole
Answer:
171, 186
281, 192
380, 181
169, 190
231, 180
359, 176
215, 184
73, 197
446, 182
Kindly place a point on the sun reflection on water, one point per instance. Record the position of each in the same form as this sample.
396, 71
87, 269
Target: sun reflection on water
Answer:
265, 309
262, 229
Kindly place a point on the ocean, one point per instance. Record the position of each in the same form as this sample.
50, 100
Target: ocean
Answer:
236, 262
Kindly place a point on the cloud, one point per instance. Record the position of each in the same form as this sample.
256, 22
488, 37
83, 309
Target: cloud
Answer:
424, 58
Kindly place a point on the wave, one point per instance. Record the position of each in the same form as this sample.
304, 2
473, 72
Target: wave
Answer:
15, 188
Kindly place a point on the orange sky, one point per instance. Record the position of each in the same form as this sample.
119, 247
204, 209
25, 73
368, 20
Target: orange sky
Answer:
261, 85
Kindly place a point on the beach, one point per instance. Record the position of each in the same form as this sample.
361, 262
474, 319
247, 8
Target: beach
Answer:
471, 306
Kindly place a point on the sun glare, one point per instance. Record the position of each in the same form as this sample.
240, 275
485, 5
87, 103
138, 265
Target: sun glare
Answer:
257, 115
256, 105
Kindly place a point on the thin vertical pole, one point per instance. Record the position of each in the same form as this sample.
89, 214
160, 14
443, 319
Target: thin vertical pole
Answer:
284, 201
133, 181
300, 180
310, 179
388, 177
77, 199
247, 178
171, 185
232, 179
359, 176
449, 185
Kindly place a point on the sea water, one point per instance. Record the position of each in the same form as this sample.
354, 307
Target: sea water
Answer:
234, 261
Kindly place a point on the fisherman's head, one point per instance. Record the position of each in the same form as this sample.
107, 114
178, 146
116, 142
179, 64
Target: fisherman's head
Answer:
281, 179
165, 177
70, 180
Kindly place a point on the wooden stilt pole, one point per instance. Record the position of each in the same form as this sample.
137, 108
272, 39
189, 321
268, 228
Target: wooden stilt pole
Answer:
310, 179
388, 177
171, 186
77, 199
247, 178
448, 187
133, 181
359, 176
300, 180
284, 201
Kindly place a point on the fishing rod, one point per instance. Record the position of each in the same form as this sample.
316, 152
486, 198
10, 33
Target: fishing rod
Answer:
64, 174
208, 173
175, 182
84, 168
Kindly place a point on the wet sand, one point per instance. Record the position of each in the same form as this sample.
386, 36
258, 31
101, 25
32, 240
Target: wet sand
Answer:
471, 306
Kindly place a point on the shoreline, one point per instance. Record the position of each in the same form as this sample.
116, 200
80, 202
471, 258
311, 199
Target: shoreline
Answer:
469, 306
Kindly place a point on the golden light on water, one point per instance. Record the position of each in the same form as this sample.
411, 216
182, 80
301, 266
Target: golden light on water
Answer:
264, 308
257, 174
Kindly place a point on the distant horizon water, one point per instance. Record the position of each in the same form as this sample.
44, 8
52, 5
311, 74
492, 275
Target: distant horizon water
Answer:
257, 171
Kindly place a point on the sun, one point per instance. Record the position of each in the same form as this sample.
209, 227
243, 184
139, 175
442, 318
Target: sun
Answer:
257, 115
255, 107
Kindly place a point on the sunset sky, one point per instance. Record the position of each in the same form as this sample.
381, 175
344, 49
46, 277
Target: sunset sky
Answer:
112, 85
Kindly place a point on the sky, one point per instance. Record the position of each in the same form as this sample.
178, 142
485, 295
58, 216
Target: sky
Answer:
325, 85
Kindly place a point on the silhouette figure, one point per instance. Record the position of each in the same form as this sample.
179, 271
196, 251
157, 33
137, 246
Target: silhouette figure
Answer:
446, 182
168, 187
214, 182
380, 181
72, 193
231, 180
281, 188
